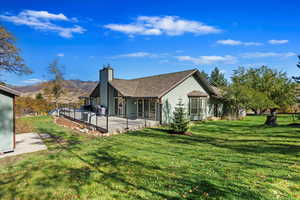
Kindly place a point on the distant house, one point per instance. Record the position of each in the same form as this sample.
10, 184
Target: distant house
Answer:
7, 119
155, 97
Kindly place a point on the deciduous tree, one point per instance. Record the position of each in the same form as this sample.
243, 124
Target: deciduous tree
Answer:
10, 59
262, 88
54, 87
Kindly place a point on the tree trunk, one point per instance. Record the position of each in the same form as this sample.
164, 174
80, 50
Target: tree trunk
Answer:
272, 118
262, 111
255, 111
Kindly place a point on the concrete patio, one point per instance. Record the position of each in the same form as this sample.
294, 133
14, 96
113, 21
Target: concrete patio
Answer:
26, 143
115, 124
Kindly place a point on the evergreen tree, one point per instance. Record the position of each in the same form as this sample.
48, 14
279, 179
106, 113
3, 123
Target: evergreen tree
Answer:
204, 74
297, 78
217, 78
180, 122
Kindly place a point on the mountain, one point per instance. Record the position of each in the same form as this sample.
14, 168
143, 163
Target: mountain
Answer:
73, 89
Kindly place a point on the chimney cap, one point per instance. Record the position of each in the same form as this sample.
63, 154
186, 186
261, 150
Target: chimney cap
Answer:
107, 66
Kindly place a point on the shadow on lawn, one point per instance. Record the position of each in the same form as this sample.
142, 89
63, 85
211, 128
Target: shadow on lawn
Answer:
115, 172
121, 168
120, 173
260, 145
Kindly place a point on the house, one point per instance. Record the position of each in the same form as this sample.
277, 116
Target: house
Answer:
155, 97
7, 119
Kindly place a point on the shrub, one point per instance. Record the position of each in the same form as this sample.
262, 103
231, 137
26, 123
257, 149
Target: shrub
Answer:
180, 123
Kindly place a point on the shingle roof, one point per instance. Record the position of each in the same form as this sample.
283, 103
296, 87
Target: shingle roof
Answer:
156, 86
9, 90
217, 91
96, 91
197, 93
151, 86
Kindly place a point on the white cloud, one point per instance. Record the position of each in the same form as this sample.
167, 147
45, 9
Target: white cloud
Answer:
278, 41
267, 54
42, 20
44, 15
167, 25
164, 61
228, 59
237, 42
137, 55
60, 55
33, 81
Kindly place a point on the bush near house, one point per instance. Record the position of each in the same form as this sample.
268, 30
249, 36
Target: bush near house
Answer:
179, 123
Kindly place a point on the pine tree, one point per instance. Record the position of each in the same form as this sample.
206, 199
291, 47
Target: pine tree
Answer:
297, 78
204, 74
180, 123
217, 78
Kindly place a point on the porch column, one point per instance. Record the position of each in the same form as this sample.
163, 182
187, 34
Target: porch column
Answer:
143, 108
155, 111
137, 108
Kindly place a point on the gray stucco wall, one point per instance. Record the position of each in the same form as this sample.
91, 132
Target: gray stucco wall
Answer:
131, 107
171, 99
6, 123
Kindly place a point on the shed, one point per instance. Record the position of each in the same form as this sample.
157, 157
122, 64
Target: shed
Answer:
7, 119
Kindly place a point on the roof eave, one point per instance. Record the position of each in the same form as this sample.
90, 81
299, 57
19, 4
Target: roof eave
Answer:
10, 91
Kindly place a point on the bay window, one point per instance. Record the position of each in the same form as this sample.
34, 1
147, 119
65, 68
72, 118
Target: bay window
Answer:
197, 107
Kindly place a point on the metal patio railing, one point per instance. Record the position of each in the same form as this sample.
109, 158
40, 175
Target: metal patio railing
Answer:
107, 123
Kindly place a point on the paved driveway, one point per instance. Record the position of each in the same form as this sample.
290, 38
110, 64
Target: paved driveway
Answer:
26, 143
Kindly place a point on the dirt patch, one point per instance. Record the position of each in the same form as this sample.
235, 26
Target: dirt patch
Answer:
186, 133
23, 126
68, 123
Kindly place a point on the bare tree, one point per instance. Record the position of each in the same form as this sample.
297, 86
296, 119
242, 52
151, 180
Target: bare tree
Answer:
10, 60
55, 85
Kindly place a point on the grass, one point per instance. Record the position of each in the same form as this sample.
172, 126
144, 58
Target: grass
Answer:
221, 160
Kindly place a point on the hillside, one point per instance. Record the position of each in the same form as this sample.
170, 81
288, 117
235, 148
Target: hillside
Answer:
73, 88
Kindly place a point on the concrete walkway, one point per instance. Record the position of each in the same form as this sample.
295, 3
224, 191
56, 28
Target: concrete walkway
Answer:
26, 143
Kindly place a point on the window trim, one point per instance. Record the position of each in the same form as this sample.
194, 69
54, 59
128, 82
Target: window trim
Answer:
201, 106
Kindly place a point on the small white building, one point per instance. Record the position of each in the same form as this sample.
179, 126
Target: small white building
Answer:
7, 119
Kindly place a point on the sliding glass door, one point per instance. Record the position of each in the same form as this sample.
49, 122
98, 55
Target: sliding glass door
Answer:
146, 108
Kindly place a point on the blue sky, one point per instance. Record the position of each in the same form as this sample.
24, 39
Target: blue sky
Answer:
141, 38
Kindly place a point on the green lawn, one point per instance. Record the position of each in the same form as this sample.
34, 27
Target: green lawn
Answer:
221, 160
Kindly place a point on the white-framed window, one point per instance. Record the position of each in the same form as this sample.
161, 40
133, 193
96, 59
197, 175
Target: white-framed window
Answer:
197, 105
